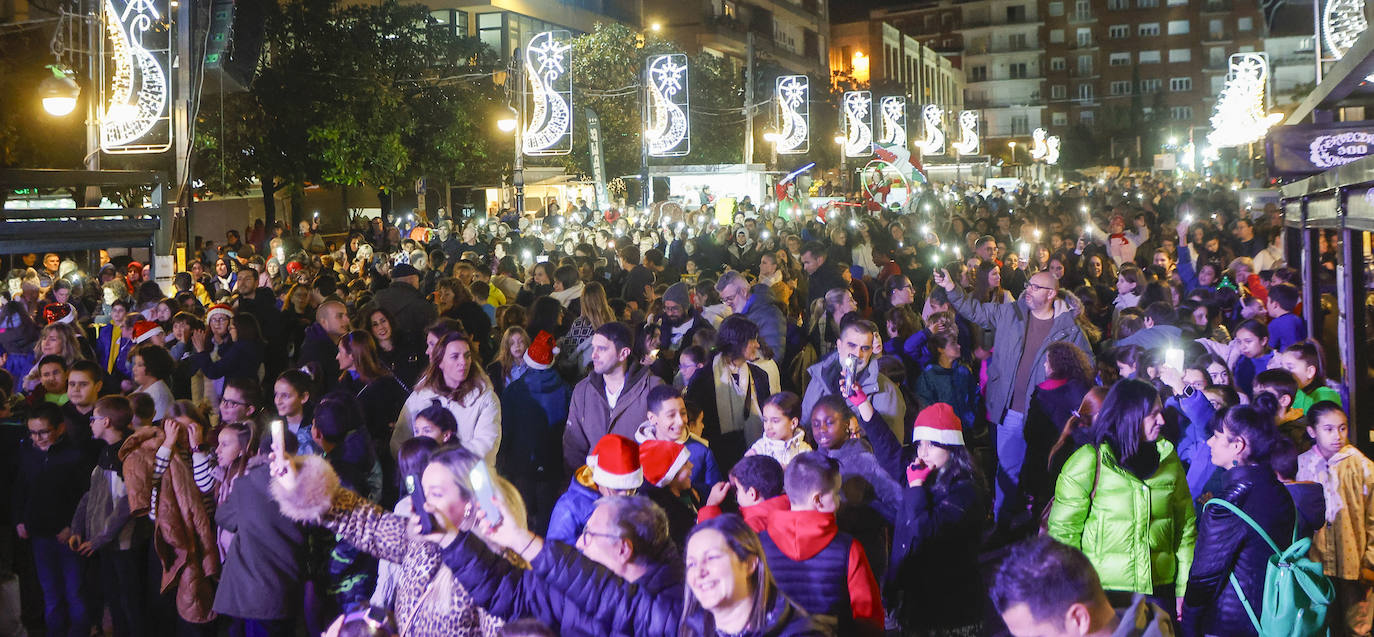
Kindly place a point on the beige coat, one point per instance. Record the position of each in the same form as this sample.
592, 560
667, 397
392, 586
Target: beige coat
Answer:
1346, 543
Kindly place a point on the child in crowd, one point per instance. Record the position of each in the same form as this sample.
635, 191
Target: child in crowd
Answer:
938, 530
234, 447
612, 469
782, 438
757, 482
1308, 498
823, 570
946, 380
668, 482
436, 422
668, 419
52, 475
145, 409
1342, 544
1285, 327
1290, 420
102, 524
291, 396
1246, 355
689, 362
1304, 361
52, 381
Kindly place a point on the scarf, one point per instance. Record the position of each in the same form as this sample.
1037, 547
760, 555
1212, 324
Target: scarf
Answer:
737, 403
566, 295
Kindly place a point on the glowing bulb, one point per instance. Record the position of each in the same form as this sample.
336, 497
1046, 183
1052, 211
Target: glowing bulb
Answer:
505, 125
59, 106
765, 235
925, 229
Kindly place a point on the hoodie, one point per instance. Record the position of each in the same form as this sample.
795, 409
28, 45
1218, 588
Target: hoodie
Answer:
817, 566
756, 516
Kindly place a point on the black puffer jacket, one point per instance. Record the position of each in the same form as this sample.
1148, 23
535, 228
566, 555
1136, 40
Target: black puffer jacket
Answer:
568, 592
1226, 545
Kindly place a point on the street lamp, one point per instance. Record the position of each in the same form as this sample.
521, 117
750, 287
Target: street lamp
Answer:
656, 27
511, 124
1012, 144
506, 124
59, 92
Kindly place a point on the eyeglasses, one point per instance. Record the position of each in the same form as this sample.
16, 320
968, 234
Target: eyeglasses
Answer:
41, 433
1034, 286
586, 532
232, 403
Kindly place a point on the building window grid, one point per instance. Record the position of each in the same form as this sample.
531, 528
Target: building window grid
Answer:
1179, 84
1148, 29
1178, 27
1119, 59
1122, 87
1119, 31
1180, 55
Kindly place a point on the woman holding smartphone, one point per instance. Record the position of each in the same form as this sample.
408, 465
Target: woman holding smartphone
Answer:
429, 602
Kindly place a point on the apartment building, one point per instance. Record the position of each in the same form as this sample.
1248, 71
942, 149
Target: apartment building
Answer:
791, 34
877, 54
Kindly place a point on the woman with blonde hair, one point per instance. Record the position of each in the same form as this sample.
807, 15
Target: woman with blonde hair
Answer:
510, 358
575, 348
456, 381
54, 339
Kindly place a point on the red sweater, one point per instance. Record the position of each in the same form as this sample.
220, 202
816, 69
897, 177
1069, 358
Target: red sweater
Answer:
755, 516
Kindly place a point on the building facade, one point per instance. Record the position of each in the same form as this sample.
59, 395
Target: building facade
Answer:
1160, 61
791, 34
877, 54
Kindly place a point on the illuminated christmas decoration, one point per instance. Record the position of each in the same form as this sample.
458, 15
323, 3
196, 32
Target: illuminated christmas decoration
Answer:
548, 62
934, 143
794, 114
1038, 148
135, 54
1239, 118
1328, 151
968, 131
668, 129
1342, 23
1052, 150
893, 111
858, 123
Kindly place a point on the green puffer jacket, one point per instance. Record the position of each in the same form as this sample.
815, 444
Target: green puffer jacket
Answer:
1127, 520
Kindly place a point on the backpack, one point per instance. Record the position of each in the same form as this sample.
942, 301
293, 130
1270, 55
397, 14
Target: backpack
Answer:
1296, 591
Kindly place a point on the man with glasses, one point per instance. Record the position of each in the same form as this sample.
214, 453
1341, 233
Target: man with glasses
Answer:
239, 402
677, 326
53, 474
756, 305
1022, 332
627, 536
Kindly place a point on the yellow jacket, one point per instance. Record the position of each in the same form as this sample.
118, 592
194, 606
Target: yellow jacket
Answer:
1346, 543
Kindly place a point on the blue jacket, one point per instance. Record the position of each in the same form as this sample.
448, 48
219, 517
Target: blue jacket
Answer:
534, 412
1286, 330
573, 509
112, 352
705, 471
566, 591
237, 359
956, 387
1195, 413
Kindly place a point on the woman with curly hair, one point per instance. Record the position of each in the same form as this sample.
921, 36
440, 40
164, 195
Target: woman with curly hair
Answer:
54, 339
455, 378
1069, 374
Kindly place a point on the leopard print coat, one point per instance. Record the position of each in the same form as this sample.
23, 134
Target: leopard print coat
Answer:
429, 601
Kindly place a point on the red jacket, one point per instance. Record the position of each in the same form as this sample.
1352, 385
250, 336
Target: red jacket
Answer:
755, 516
800, 535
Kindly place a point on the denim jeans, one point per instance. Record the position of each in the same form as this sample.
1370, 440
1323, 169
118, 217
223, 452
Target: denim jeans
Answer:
1011, 455
121, 579
60, 574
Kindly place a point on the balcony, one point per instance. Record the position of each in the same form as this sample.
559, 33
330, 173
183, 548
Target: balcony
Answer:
1001, 21
1218, 6
1033, 101
1006, 78
1028, 47
1082, 18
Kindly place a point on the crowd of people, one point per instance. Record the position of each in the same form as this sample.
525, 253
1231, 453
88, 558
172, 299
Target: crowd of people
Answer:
596, 423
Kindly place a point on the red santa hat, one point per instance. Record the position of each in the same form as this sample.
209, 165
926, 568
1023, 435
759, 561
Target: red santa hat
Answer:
662, 460
144, 330
938, 423
540, 353
614, 462
218, 308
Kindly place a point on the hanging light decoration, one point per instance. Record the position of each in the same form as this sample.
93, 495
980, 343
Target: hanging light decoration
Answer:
668, 129
136, 49
1052, 150
857, 112
791, 92
548, 69
1239, 118
932, 117
1038, 148
893, 112
968, 131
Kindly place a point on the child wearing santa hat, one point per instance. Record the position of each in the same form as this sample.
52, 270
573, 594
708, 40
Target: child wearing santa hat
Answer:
612, 469
668, 482
938, 530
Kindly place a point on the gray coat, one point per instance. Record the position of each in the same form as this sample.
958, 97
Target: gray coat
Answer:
262, 571
885, 395
590, 416
1009, 321
763, 311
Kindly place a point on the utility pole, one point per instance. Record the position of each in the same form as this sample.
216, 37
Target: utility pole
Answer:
517, 177
646, 185
749, 99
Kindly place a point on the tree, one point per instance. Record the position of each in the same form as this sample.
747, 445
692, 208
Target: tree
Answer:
357, 95
29, 136
608, 71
